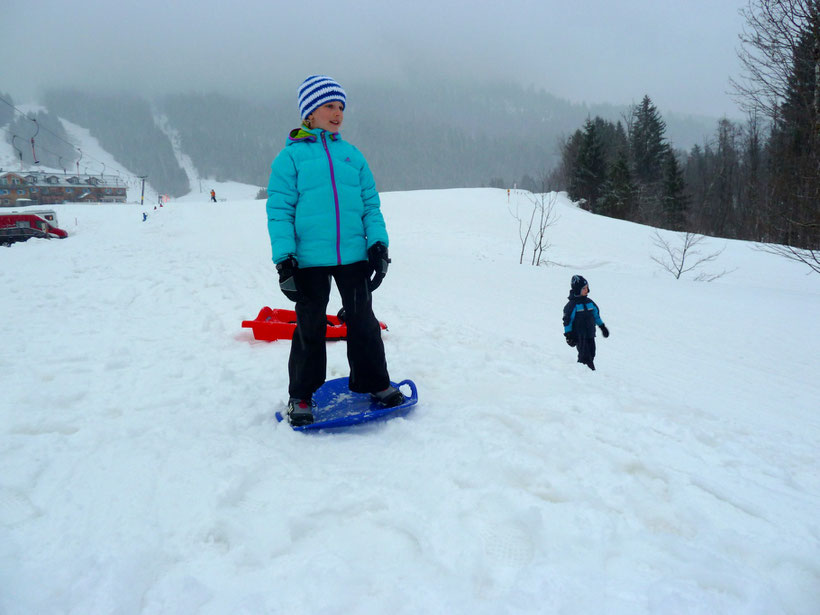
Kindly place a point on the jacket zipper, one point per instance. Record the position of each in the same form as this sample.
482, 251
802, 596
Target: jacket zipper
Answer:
336, 203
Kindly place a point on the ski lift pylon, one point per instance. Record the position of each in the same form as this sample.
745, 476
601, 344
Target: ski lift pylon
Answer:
17, 149
33, 152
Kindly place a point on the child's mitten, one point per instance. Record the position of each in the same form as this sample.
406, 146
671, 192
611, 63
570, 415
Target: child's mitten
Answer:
377, 257
287, 281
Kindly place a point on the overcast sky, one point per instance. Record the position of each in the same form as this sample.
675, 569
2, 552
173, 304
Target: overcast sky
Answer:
679, 52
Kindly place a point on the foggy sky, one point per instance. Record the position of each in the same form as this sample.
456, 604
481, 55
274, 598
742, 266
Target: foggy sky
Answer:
679, 52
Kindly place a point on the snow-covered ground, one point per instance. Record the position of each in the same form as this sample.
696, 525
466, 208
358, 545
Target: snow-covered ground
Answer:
143, 471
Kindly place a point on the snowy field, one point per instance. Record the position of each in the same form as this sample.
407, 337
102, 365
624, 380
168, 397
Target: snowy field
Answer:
143, 471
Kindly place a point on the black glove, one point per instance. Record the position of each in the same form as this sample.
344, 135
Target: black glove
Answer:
377, 257
287, 282
604, 331
571, 341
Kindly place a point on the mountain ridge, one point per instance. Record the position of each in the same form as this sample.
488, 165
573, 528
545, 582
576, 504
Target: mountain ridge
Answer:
451, 136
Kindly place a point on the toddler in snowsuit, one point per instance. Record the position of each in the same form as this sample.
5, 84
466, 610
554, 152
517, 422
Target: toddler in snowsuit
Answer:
580, 317
325, 221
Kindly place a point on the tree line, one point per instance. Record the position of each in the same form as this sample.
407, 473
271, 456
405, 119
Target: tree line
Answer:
758, 180
422, 139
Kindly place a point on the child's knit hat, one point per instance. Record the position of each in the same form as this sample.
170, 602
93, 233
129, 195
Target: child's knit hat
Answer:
318, 90
578, 282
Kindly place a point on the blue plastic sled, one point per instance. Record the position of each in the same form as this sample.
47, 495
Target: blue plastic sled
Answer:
338, 406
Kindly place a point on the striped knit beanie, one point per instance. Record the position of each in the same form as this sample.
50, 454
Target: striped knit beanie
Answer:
316, 91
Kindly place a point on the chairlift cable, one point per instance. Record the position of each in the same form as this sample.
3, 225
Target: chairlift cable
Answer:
47, 130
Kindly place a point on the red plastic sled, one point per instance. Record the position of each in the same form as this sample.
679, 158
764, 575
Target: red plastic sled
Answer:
272, 325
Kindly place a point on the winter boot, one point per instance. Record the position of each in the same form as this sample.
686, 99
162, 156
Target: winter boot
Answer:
300, 411
389, 398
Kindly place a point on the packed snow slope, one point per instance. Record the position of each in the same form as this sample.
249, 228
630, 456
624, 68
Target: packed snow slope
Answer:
143, 471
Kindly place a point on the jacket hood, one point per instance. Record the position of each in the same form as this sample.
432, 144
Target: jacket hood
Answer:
309, 135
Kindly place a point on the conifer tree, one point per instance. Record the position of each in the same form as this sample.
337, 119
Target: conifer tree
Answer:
647, 142
589, 172
696, 176
619, 190
561, 176
674, 197
647, 148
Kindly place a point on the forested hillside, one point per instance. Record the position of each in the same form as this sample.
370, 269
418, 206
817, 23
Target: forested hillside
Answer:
124, 125
415, 136
758, 180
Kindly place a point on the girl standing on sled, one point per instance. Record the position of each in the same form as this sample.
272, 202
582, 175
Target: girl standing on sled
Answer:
324, 220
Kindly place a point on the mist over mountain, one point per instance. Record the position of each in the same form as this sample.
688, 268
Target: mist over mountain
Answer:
125, 127
415, 136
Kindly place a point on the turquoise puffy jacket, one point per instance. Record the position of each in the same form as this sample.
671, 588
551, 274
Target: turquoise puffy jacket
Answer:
323, 206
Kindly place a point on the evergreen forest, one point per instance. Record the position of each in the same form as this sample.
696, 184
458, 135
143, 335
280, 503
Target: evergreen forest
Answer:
756, 180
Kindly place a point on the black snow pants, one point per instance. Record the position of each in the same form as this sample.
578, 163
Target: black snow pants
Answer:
307, 365
586, 351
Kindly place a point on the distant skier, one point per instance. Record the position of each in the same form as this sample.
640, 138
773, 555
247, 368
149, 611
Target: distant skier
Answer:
325, 219
213, 196
580, 317
144, 216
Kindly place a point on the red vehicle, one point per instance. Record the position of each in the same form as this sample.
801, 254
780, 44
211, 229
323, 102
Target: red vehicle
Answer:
23, 225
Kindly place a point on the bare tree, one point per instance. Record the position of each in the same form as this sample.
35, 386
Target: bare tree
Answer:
811, 258
780, 56
533, 227
686, 257
770, 42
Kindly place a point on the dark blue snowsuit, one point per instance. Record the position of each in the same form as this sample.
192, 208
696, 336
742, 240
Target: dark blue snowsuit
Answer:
581, 315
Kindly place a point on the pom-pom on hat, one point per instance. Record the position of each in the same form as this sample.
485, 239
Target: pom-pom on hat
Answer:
578, 282
318, 90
